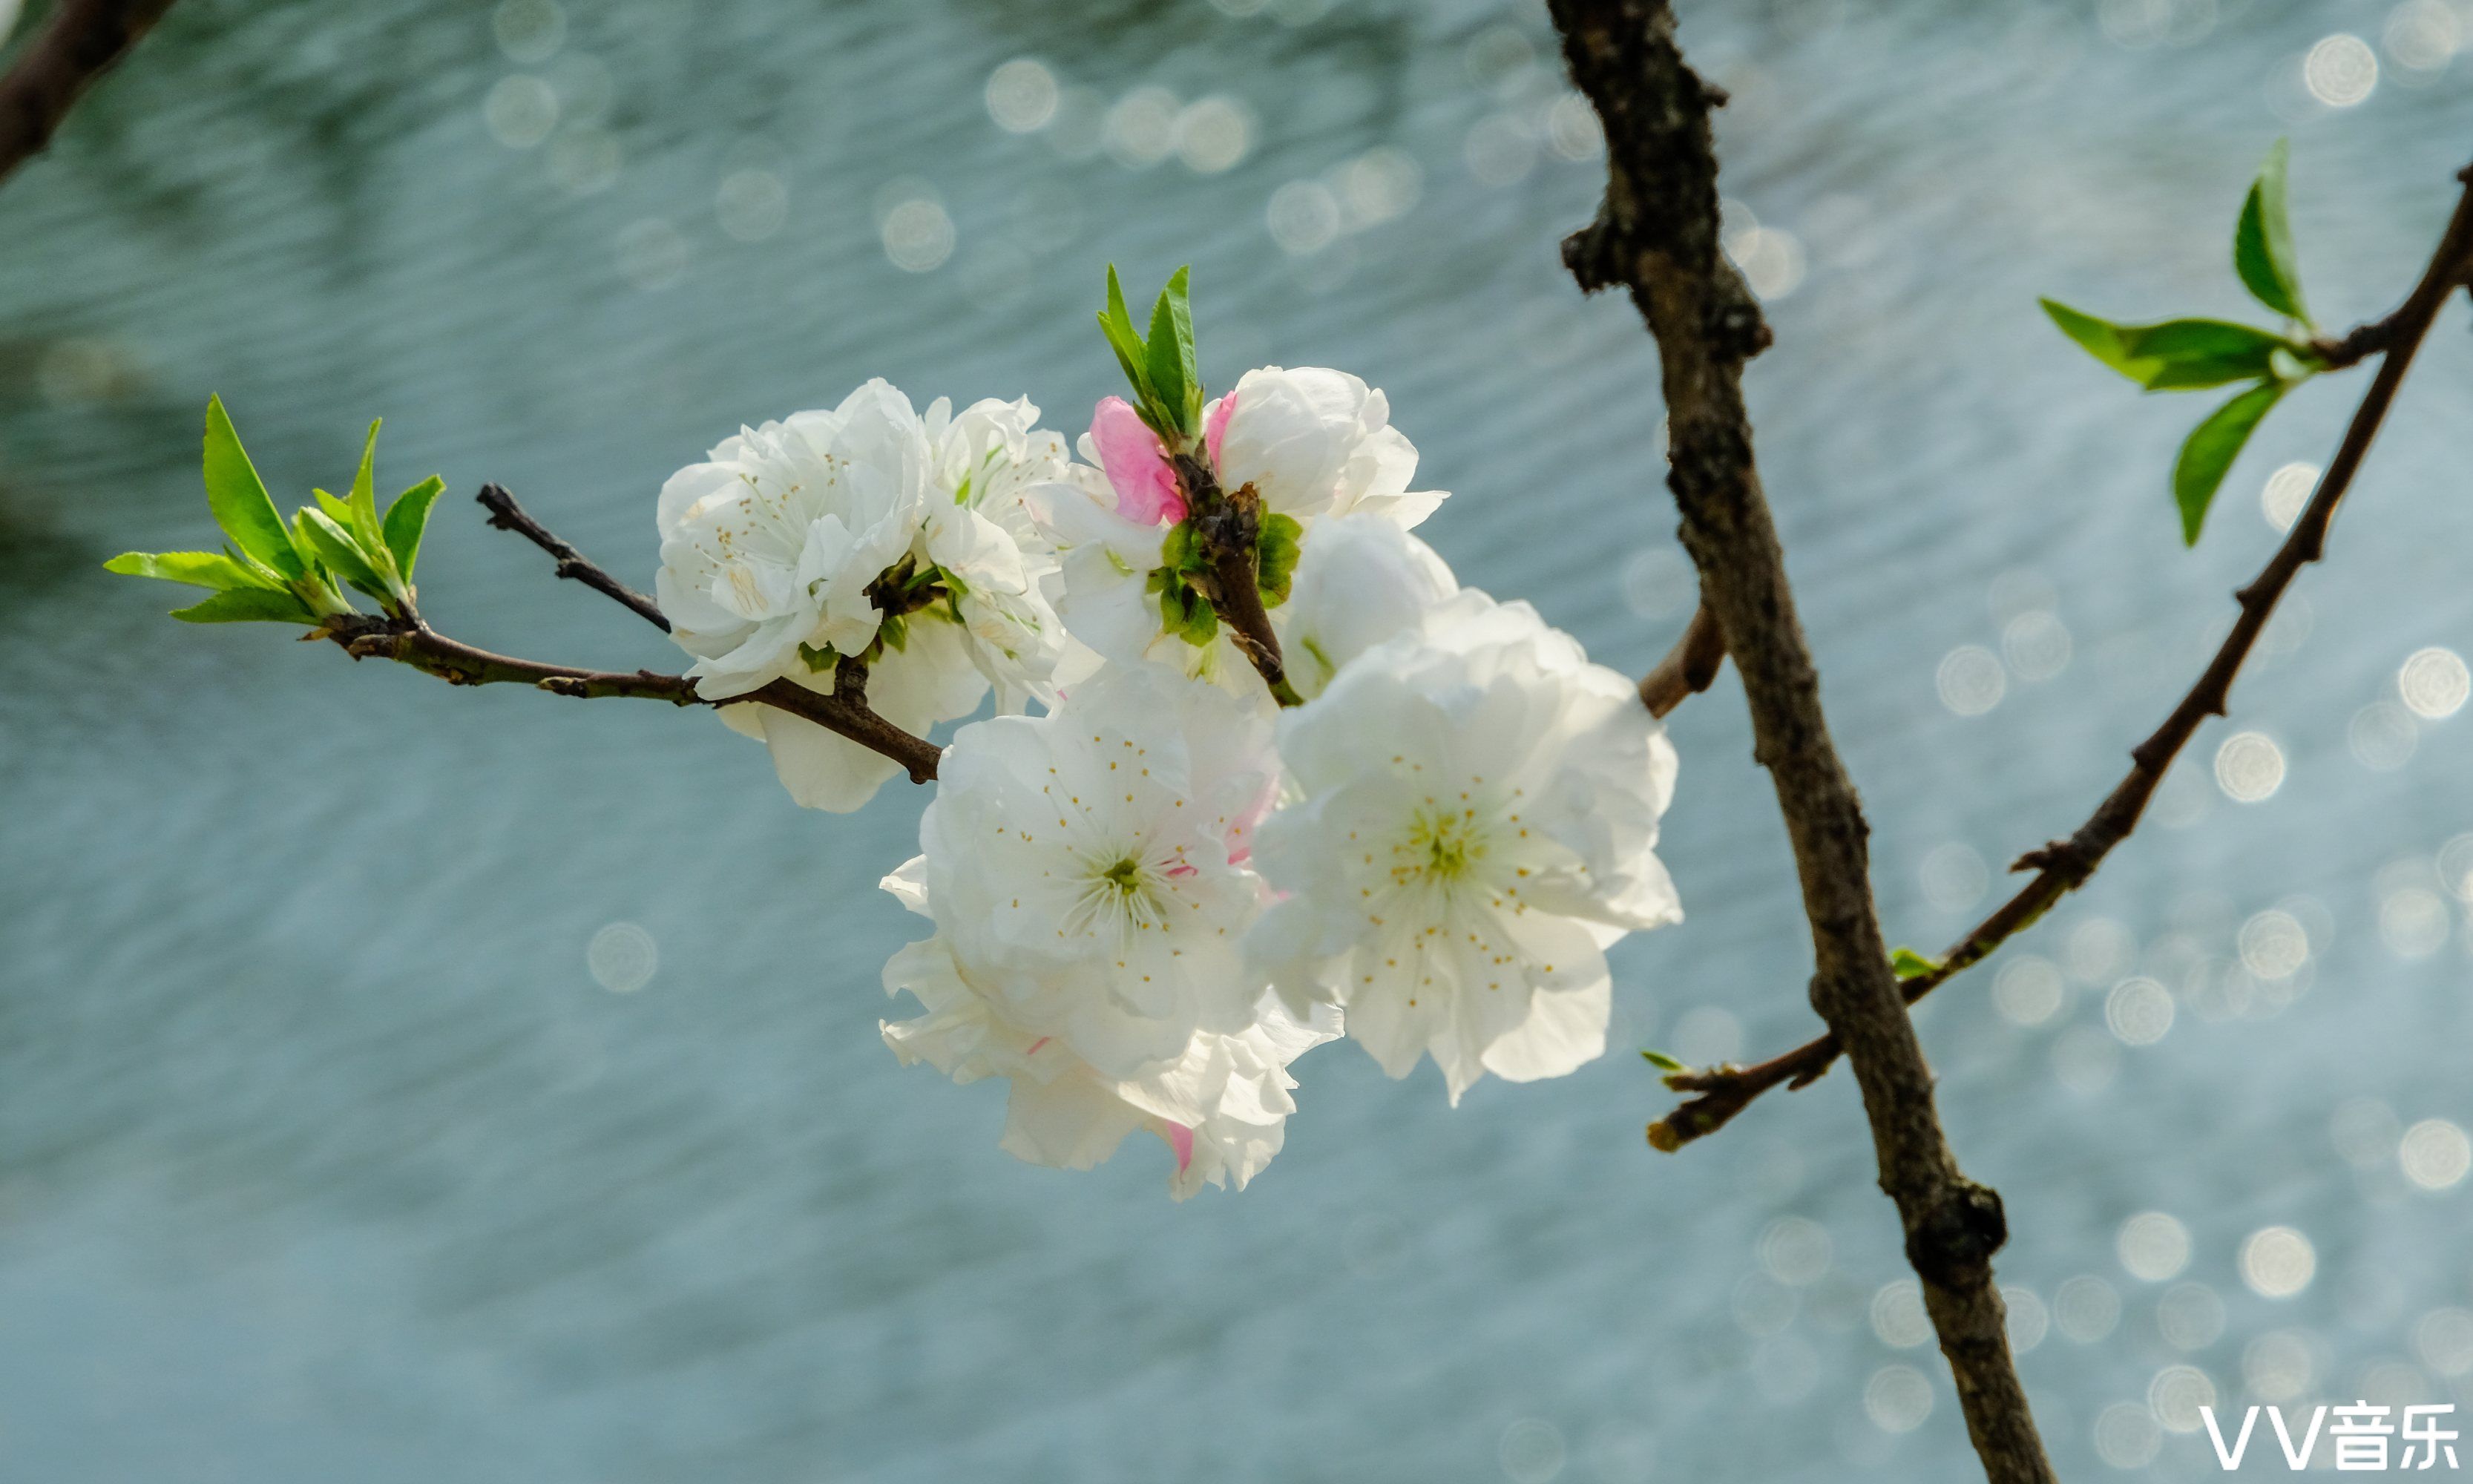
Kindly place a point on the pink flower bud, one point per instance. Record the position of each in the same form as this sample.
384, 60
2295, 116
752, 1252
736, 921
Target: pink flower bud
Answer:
1137, 466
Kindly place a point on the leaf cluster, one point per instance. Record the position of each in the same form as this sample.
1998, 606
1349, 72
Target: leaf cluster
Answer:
1160, 366
277, 571
2191, 354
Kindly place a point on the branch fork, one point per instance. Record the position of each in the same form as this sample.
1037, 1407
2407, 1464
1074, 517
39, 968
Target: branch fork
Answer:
2062, 866
406, 638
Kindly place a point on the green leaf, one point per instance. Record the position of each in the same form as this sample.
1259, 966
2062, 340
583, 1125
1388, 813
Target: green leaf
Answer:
1117, 322
337, 510
198, 568
1663, 1062
2200, 340
1908, 964
406, 518
2196, 375
364, 500
2176, 354
239, 499
247, 605
2099, 338
2211, 449
2191, 353
1275, 558
337, 551
2263, 241
1175, 379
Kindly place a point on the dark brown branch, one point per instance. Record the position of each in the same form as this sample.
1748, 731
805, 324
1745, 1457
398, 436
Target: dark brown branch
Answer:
2360, 343
1229, 523
2063, 866
844, 712
508, 516
1689, 667
1656, 235
81, 42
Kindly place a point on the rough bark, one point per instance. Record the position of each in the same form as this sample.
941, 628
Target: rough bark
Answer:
1656, 236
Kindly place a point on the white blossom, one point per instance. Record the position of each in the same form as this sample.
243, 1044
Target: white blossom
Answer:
1312, 444
865, 531
1362, 579
1087, 872
1315, 443
1474, 816
980, 535
1220, 1105
1091, 866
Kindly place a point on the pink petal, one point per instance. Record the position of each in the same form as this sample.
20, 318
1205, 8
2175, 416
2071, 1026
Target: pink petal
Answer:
1215, 430
1137, 466
1181, 1139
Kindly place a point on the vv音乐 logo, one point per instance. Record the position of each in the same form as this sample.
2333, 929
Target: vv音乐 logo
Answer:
2363, 1436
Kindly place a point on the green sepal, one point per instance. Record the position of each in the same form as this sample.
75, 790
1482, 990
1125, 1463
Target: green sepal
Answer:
247, 605
1275, 558
819, 660
1178, 551
405, 521
1908, 964
2263, 241
239, 500
1184, 611
894, 632
211, 570
2208, 454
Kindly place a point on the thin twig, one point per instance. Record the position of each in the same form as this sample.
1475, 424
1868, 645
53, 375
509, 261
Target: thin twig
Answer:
508, 516
81, 42
844, 712
1689, 667
1656, 235
2063, 866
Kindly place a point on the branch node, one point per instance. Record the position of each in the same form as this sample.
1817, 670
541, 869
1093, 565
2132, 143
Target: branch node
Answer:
1958, 1236
1590, 254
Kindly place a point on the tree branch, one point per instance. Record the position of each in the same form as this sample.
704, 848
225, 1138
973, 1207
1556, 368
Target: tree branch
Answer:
1228, 523
412, 642
1689, 667
79, 44
2063, 866
508, 516
408, 640
1657, 236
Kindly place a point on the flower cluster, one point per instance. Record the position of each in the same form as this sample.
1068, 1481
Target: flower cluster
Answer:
1285, 779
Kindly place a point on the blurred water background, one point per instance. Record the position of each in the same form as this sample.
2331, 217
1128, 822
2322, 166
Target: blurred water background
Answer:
400, 1083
